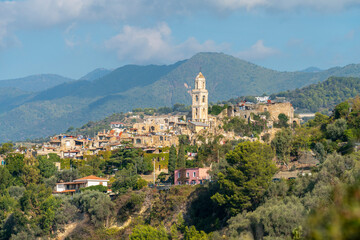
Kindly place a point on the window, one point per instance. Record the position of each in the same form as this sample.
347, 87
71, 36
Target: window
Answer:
179, 183
203, 99
193, 182
194, 174
179, 175
187, 174
161, 138
196, 98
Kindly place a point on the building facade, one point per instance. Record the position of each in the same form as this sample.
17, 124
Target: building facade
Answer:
200, 100
74, 186
191, 176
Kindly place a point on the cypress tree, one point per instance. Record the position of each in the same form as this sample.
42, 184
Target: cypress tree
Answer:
172, 160
181, 157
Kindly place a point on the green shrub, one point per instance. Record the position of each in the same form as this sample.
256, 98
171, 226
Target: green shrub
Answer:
140, 184
99, 188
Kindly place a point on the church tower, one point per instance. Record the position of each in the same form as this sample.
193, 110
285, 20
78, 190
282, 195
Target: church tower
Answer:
200, 100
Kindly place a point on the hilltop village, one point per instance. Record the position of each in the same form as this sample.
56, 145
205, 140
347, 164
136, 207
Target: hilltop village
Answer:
156, 134
152, 133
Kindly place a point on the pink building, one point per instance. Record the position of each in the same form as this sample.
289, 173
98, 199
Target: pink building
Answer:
191, 176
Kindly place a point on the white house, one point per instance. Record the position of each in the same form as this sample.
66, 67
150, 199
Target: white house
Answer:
93, 181
263, 99
116, 125
71, 187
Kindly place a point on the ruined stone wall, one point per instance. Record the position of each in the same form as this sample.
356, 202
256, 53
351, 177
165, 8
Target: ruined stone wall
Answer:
143, 128
245, 113
276, 108
155, 140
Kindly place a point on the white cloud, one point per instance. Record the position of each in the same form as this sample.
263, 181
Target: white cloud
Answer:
42, 13
285, 5
258, 51
34, 14
70, 43
155, 45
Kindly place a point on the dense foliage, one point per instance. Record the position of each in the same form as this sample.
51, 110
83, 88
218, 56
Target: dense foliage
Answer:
324, 95
244, 127
246, 178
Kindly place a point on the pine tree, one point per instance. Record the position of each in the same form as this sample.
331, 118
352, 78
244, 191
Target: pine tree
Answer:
181, 157
172, 160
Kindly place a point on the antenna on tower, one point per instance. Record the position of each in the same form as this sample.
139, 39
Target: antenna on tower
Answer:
200, 69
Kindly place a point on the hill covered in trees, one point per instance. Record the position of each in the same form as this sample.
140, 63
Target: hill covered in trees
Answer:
77, 102
35, 83
322, 96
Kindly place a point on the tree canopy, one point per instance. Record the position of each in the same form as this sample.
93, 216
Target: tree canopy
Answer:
246, 178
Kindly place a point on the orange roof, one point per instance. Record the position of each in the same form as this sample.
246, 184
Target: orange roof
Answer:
91, 177
70, 183
65, 191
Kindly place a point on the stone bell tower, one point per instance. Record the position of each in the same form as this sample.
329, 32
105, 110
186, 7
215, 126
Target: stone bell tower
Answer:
200, 100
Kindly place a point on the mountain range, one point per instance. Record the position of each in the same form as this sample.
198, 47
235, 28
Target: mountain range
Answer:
35, 83
42, 111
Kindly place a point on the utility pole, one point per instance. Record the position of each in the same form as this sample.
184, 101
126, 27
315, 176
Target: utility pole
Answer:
154, 172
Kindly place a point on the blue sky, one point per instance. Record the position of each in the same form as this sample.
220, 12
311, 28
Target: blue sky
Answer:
73, 37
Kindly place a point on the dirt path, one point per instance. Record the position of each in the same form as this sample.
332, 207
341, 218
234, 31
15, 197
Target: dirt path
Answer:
69, 228
146, 205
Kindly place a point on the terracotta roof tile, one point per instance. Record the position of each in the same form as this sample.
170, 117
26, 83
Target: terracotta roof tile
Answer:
91, 177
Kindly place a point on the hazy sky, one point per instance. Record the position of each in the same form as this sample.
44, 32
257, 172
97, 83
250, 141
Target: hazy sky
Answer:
73, 37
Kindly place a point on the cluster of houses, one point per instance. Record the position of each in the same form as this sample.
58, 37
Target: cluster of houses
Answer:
152, 133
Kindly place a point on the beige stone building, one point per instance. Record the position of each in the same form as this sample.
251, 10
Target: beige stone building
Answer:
197, 127
245, 109
155, 140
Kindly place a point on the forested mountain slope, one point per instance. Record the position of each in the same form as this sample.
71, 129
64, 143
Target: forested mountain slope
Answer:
324, 95
96, 74
35, 83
